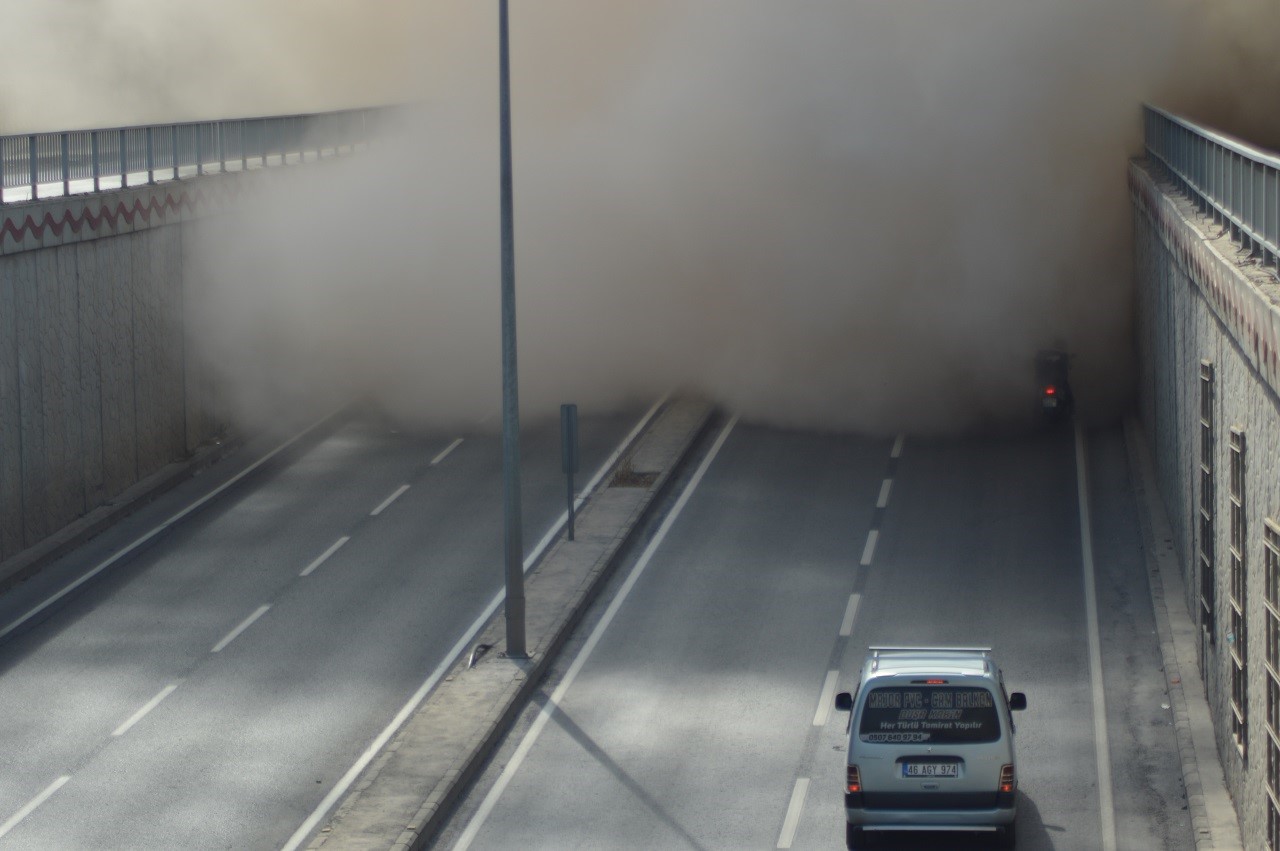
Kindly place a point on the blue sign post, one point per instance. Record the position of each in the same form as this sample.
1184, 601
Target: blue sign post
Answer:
569, 451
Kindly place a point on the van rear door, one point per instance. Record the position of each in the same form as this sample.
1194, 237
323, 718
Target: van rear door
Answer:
929, 746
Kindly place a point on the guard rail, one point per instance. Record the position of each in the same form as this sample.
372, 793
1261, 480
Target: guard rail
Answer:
41, 165
1235, 182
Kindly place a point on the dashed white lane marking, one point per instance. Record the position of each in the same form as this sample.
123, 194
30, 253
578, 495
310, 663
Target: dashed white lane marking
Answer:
32, 804
388, 501
824, 699
353, 773
324, 556
850, 612
897, 446
235, 633
165, 525
1102, 747
535, 730
885, 487
792, 821
870, 549
445, 454
141, 713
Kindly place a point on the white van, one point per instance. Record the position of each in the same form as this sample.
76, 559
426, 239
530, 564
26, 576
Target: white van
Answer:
930, 744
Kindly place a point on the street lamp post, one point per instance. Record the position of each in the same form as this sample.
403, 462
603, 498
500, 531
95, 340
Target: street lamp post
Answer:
513, 547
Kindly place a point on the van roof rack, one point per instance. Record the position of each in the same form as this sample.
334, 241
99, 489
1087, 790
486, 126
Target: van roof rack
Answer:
875, 652
876, 649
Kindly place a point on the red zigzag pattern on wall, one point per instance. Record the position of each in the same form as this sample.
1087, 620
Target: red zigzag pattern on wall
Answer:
111, 216
1251, 321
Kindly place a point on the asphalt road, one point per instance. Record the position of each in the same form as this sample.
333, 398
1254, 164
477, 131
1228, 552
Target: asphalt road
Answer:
692, 709
203, 693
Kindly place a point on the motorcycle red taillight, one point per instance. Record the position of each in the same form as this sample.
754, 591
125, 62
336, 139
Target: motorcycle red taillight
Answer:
1050, 390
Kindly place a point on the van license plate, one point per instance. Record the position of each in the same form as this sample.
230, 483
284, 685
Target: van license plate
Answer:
930, 769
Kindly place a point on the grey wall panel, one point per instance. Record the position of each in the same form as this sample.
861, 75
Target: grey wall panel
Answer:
148, 341
60, 364
96, 389
35, 476
119, 441
94, 310
202, 417
11, 540
167, 274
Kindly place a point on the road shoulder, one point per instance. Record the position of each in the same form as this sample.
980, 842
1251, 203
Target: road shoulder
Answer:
1213, 817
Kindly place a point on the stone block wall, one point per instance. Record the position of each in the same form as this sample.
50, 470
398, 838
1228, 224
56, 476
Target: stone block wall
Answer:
1202, 300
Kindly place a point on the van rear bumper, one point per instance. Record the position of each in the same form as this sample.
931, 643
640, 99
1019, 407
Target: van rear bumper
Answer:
966, 819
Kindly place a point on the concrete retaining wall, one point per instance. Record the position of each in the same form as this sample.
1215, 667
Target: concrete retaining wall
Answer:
1200, 298
96, 389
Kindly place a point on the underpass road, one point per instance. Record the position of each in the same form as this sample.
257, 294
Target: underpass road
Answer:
700, 719
203, 693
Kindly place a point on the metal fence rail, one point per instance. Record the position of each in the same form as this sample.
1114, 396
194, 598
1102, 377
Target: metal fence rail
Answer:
45, 165
1233, 181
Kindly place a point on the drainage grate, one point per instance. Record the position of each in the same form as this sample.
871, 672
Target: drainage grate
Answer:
627, 478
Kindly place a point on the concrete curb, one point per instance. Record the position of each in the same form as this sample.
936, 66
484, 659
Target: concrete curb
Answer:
32, 560
401, 800
1213, 817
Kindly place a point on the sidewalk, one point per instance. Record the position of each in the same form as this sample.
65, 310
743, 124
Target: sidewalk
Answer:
1213, 817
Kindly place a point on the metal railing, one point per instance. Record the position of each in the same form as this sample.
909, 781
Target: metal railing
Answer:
1236, 183
43, 165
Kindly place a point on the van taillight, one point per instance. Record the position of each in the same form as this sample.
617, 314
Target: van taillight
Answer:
854, 779
1006, 778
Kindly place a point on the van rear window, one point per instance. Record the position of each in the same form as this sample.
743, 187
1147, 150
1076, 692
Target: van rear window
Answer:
933, 714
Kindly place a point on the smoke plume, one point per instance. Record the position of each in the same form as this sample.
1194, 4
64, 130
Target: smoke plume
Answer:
82, 64
848, 214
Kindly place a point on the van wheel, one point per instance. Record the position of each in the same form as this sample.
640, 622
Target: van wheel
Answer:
1007, 836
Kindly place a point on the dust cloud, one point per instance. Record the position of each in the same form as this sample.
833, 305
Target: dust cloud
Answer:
80, 64
847, 214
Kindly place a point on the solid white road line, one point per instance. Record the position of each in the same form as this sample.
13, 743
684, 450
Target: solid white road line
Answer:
870, 549
324, 556
445, 454
477, 821
792, 821
141, 713
885, 486
244, 624
850, 612
166, 524
468, 638
32, 804
897, 446
824, 699
1102, 748
388, 501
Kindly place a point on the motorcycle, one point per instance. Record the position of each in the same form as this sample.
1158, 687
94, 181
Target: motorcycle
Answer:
1056, 402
